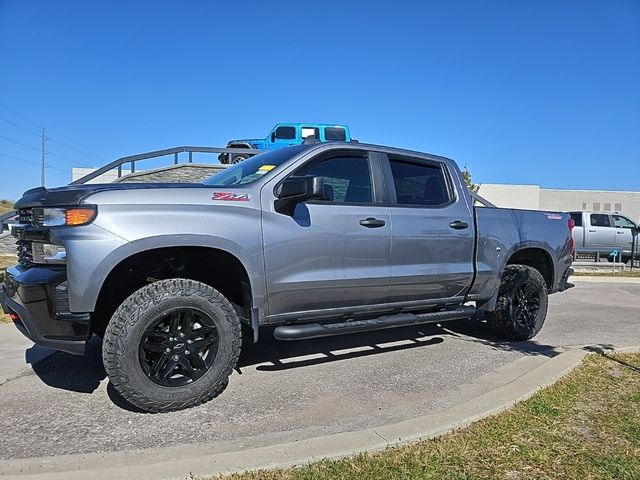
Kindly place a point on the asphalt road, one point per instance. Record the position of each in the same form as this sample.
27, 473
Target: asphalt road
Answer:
287, 391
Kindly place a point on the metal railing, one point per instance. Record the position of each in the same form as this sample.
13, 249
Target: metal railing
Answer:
134, 159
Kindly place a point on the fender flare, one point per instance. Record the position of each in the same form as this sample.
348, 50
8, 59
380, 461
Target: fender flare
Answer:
490, 304
134, 247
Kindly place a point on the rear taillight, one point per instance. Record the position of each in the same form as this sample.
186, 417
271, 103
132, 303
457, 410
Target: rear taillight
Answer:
572, 223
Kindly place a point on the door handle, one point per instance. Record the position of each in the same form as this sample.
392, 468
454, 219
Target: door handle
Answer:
371, 222
459, 225
592, 231
620, 233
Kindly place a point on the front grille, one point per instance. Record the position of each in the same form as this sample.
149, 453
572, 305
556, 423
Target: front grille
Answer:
25, 216
25, 255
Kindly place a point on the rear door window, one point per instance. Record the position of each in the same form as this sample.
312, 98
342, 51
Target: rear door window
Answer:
577, 218
419, 183
600, 220
307, 132
337, 134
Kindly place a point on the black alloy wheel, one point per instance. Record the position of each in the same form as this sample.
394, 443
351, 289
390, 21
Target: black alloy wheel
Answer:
179, 348
526, 304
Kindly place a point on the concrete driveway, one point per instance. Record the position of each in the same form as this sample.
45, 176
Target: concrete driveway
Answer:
291, 391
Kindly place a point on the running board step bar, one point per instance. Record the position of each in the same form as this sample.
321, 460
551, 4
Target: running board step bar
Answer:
317, 330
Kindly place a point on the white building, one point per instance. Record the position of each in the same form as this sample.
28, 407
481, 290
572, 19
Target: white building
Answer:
535, 198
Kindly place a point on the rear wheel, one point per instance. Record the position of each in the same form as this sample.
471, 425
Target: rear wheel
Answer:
172, 345
521, 308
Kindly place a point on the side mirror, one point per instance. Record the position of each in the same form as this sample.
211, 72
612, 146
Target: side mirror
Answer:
273, 137
296, 190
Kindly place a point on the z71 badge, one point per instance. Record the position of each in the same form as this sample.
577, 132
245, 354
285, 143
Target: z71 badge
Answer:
231, 197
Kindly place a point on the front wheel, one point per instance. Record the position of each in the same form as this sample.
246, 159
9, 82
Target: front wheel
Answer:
521, 308
172, 345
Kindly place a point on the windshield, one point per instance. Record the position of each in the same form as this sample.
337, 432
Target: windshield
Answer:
253, 168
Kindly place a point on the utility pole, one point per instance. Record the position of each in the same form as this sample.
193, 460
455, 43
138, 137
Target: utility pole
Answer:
42, 160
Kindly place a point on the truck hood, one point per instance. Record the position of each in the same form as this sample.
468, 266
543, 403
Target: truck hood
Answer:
252, 141
73, 194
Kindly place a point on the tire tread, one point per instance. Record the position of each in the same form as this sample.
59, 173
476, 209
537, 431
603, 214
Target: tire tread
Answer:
125, 317
499, 320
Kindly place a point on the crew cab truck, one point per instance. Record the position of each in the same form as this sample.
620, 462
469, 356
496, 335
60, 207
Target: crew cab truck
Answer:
603, 233
316, 240
286, 135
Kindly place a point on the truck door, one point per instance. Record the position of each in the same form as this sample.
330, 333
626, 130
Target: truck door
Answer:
332, 253
283, 136
623, 228
433, 232
600, 233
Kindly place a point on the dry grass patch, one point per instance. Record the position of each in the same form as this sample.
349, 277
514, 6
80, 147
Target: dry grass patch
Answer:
5, 206
586, 426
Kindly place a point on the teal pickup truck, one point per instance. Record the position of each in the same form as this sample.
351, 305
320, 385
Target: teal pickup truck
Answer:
286, 135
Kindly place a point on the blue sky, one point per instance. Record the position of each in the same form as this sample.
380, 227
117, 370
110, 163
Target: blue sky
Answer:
542, 92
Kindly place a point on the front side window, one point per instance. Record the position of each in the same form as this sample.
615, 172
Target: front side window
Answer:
419, 183
600, 220
347, 179
623, 222
337, 134
286, 133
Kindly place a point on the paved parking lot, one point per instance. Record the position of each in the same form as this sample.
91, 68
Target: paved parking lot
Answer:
287, 391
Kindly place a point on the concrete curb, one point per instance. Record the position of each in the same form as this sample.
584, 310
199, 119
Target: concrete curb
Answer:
494, 392
600, 279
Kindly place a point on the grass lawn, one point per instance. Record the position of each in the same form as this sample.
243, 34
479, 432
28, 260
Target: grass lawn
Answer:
586, 426
5, 261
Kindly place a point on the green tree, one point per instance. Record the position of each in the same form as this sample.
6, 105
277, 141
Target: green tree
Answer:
466, 176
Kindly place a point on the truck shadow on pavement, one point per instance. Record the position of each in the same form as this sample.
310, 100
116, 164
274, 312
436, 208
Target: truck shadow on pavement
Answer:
85, 374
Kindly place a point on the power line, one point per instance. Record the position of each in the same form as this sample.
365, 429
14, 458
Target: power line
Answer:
74, 162
20, 127
19, 159
20, 143
32, 162
66, 159
54, 140
76, 149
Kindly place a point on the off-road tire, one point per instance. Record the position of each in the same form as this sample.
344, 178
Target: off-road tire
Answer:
120, 349
502, 320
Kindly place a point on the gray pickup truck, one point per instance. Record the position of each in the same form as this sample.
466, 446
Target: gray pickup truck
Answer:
311, 240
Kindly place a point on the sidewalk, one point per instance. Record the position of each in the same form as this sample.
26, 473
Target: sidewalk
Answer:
492, 393
17, 352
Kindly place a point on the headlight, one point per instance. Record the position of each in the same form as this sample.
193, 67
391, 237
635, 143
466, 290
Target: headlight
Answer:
56, 217
48, 253
53, 217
